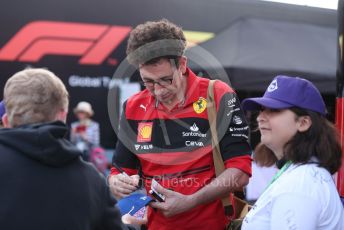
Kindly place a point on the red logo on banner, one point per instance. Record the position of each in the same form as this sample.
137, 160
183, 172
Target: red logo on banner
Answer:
94, 43
144, 132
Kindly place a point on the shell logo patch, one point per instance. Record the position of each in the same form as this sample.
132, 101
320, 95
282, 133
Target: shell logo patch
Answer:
200, 105
144, 132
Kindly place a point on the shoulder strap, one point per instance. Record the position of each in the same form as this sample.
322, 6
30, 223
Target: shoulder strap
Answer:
218, 161
211, 108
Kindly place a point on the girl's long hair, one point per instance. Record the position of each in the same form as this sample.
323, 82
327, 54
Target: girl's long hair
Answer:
320, 140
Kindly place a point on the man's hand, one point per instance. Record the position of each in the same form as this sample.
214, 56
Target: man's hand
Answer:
174, 203
231, 179
128, 219
122, 185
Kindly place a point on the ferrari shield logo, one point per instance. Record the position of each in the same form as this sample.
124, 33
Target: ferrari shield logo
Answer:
200, 105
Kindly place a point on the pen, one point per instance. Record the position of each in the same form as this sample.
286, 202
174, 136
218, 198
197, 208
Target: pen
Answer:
122, 172
119, 169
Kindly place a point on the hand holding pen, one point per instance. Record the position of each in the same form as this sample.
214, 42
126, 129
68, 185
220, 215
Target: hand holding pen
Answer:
122, 185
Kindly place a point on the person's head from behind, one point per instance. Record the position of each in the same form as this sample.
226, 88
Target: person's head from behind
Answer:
292, 123
34, 96
157, 49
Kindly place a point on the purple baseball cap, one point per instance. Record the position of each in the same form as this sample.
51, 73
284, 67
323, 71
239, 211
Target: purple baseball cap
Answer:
286, 92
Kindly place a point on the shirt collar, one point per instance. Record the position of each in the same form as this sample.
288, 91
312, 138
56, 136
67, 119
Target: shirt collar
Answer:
192, 91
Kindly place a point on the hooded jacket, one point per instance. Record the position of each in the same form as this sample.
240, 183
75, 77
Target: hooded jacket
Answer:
44, 184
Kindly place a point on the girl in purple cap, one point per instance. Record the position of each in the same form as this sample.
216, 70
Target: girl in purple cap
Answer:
293, 128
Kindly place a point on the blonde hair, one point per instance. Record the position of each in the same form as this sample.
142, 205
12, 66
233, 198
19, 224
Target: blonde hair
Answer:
34, 96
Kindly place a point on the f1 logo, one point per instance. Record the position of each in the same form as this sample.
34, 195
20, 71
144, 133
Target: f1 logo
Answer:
93, 42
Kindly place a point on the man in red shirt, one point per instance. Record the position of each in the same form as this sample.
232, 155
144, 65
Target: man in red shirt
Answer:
164, 132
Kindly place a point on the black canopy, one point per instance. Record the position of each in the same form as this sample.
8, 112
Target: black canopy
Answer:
252, 51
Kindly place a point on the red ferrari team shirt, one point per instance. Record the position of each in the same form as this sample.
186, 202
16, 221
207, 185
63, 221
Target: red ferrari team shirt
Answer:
174, 147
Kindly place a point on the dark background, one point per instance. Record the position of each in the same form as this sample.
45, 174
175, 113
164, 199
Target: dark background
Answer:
201, 15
